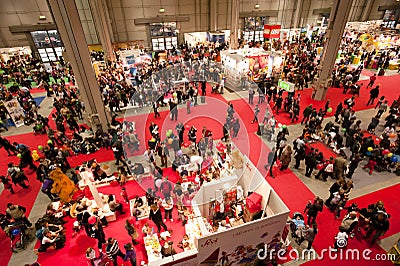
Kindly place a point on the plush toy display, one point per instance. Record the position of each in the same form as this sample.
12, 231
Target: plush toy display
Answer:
62, 186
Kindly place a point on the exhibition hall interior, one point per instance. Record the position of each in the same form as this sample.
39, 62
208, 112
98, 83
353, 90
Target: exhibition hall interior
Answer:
199, 132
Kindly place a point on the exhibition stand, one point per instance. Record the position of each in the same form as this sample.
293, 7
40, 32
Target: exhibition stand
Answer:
230, 216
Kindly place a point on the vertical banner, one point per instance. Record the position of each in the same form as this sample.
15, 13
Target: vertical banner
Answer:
16, 112
272, 31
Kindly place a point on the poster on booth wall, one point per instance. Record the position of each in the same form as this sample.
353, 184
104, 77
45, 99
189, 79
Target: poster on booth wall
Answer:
16, 112
272, 31
240, 245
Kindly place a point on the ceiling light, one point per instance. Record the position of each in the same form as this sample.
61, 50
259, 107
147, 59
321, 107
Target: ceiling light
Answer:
41, 17
256, 6
161, 10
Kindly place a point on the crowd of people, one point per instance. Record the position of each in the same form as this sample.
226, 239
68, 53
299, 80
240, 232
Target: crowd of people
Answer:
159, 84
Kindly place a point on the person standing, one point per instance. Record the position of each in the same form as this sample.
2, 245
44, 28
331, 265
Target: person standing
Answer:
166, 188
286, 158
168, 206
373, 94
306, 114
113, 251
251, 95
156, 216
272, 157
131, 232
155, 108
311, 163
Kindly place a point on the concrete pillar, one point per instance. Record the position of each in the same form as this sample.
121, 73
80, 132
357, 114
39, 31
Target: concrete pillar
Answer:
66, 16
297, 14
99, 11
337, 22
367, 10
213, 15
234, 44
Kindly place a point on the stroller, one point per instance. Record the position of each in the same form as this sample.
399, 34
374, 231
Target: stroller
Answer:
296, 226
18, 236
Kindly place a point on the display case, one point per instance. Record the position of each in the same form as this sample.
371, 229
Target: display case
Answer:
153, 247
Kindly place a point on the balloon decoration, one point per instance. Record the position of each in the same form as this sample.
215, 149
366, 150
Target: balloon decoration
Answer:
186, 145
368, 153
390, 155
158, 182
179, 153
284, 126
175, 94
49, 142
392, 135
169, 133
15, 231
385, 152
170, 140
343, 130
394, 159
370, 149
19, 155
187, 127
40, 147
329, 110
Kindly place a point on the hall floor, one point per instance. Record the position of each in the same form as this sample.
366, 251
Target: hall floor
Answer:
292, 186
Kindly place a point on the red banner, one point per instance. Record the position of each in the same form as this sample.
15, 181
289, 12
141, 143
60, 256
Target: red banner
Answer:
272, 31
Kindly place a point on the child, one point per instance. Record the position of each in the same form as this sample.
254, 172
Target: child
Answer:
124, 194
340, 239
371, 165
76, 228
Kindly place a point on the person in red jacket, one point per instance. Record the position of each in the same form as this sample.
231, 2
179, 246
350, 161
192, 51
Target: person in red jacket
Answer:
371, 165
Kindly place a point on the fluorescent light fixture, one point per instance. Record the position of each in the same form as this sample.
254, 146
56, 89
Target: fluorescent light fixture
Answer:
256, 6
41, 17
161, 10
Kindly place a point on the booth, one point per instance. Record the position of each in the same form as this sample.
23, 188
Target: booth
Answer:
8, 53
231, 217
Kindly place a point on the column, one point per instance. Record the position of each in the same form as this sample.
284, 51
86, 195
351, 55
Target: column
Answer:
66, 16
297, 14
213, 15
337, 21
234, 44
367, 10
99, 11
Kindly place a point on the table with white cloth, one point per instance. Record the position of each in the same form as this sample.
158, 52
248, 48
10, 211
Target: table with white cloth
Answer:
153, 247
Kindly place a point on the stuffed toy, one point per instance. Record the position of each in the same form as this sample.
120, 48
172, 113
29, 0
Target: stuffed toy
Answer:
62, 186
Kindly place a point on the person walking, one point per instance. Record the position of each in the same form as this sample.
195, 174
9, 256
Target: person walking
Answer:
272, 157
155, 108
251, 95
18, 213
256, 112
113, 251
286, 158
310, 162
130, 254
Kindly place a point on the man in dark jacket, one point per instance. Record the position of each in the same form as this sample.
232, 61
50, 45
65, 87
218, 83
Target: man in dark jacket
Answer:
306, 114
311, 163
156, 217
379, 225
272, 156
373, 94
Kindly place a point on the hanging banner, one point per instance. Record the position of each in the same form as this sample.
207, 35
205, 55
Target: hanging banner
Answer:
16, 112
272, 31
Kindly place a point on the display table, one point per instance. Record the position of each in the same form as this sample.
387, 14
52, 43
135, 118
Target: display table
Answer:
144, 210
153, 248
